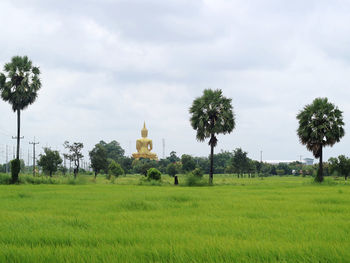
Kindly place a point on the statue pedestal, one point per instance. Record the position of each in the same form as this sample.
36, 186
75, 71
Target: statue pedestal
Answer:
146, 156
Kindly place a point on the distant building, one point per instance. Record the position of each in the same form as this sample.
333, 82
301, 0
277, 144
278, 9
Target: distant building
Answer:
308, 161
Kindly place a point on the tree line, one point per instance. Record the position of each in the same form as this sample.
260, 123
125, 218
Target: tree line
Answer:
320, 124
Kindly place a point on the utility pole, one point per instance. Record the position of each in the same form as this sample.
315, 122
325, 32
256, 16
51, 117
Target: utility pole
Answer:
34, 143
163, 140
261, 156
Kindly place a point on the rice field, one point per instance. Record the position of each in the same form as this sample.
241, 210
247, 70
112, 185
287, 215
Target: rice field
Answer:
277, 219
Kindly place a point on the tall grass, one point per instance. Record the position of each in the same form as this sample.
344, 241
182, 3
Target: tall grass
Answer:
279, 219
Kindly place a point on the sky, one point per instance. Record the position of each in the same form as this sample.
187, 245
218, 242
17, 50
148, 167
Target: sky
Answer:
109, 65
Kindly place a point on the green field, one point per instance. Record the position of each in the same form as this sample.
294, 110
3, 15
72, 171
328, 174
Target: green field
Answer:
277, 219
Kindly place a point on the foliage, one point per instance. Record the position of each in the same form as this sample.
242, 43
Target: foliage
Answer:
114, 150
172, 169
340, 165
204, 164
240, 161
222, 161
173, 158
194, 180
49, 161
19, 85
154, 174
126, 164
188, 163
212, 114
143, 165
75, 154
320, 124
98, 158
115, 169
198, 172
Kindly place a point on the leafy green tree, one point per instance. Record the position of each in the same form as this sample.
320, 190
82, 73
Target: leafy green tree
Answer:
141, 166
172, 169
74, 154
98, 158
240, 161
19, 85
173, 158
222, 161
320, 124
114, 150
341, 165
212, 114
49, 161
115, 169
126, 163
188, 163
284, 167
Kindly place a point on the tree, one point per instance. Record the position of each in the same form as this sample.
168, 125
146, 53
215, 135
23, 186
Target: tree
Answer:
320, 124
173, 169
240, 161
212, 114
98, 158
49, 161
188, 163
222, 161
341, 165
115, 169
114, 150
173, 157
74, 154
19, 86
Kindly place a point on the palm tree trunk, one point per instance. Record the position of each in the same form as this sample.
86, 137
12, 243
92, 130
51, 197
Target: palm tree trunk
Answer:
211, 163
18, 132
319, 177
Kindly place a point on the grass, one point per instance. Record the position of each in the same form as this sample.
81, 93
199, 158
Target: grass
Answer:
275, 219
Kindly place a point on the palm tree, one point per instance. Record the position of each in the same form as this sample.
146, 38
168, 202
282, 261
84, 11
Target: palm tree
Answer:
320, 124
212, 114
19, 85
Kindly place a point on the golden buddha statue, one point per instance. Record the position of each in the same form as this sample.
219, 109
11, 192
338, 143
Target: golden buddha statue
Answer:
144, 146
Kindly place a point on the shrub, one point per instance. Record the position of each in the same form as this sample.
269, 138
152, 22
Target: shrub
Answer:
115, 169
194, 180
15, 169
5, 179
198, 172
153, 174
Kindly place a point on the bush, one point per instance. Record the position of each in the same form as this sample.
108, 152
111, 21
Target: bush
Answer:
194, 180
15, 169
153, 174
198, 172
114, 169
5, 179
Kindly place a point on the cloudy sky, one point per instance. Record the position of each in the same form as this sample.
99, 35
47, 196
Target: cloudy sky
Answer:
109, 65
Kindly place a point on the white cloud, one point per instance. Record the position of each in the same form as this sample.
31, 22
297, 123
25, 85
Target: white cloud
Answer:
107, 66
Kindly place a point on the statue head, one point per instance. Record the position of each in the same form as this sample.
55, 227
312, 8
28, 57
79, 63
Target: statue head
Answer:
144, 131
